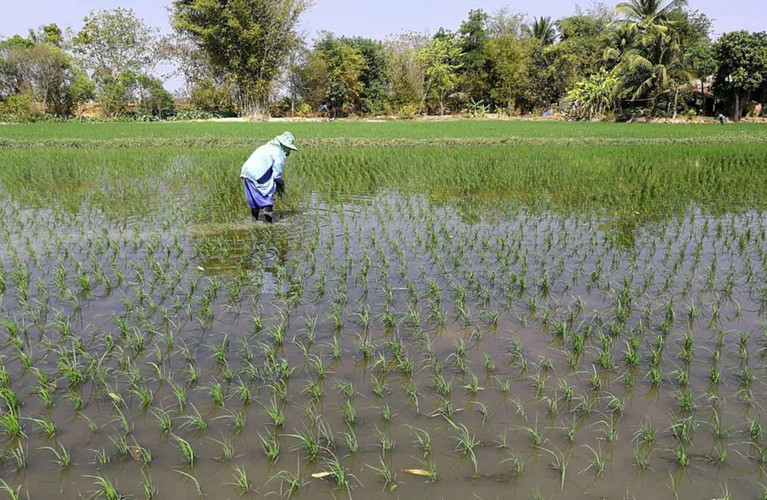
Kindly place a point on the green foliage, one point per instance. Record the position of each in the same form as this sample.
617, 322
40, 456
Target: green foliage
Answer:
16, 106
334, 73
594, 96
248, 40
151, 96
46, 73
650, 55
210, 94
742, 67
49, 34
114, 41
542, 29
473, 37
405, 71
440, 59
374, 76
509, 73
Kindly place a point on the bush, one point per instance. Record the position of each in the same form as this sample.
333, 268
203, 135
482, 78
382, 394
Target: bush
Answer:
594, 96
16, 107
303, 110
408, 111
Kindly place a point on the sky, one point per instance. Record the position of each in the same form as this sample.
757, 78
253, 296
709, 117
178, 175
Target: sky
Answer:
370, 18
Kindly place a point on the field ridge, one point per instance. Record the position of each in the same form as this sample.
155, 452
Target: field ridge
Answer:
215, 142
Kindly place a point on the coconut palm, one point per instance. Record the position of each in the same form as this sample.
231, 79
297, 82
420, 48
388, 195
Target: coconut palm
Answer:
656, 68
648, 14
543, 29
647, 52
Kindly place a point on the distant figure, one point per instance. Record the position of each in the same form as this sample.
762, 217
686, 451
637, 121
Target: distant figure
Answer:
262, 174
722, 119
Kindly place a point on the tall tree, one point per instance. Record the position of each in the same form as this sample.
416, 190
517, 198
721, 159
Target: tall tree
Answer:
406, 70
374, 76
248, 39
649, 14
742, 67
440, 58
510, 58
334, 75
45, 73
114, 41
652, 59
586, 35
473, 36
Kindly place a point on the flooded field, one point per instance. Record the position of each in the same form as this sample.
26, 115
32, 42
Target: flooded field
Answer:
420, 322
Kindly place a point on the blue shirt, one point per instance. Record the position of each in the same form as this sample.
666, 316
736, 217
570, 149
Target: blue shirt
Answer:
264, 166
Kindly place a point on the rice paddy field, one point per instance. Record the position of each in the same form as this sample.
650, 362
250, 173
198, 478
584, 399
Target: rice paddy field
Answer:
441, 310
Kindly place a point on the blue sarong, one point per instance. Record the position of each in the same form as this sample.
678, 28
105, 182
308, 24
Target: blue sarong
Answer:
254, 196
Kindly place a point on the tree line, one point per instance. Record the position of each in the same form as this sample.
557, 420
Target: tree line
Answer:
653, 58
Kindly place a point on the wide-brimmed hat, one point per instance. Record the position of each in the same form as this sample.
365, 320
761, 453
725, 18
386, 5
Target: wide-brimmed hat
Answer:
287, 140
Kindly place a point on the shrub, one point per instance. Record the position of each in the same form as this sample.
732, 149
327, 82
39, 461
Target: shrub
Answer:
408, 111
16, 107
303, 110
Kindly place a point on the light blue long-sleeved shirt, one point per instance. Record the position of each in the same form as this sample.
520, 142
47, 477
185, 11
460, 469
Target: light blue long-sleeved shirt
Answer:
256, 168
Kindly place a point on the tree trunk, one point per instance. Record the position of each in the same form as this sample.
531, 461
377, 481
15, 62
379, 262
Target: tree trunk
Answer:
676, 100
739, 103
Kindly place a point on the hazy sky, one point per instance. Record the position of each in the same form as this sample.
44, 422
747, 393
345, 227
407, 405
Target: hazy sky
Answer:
372, 18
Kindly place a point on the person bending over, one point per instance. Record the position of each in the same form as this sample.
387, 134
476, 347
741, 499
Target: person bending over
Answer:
262, 174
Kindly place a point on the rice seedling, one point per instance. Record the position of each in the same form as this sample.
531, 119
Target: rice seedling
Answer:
646, 433
598, 463
384, 472
186, 450
310, 443
642, 458
681, 456
150, 492
12, 494
350, 438
11, 424
466, 443
197, 421
164, 420
191, 478
227, 449
276, 414
61, 456
337, 472
106, 490
241, 480
271, 446
385, 442
560, 465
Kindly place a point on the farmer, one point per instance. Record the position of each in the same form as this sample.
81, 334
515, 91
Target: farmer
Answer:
262, 174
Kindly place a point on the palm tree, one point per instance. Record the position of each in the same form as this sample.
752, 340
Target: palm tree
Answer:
648, 14
656, 67
542, 29
648, 53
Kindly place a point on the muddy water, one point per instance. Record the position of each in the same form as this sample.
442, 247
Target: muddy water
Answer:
177, 291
